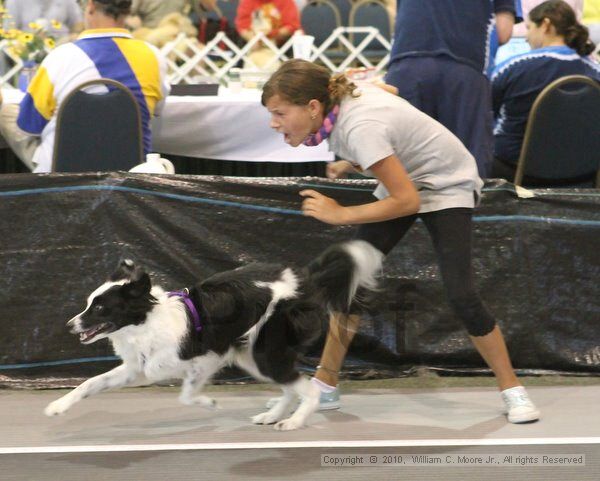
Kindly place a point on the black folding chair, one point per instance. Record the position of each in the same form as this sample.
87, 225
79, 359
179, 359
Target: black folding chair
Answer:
561, 146
371, 13
320, 18
98, 131
228, 9
344, 7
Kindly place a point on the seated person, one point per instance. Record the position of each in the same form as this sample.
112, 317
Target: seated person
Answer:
518, 43
105, 50
560, 46
277, 19
168, 29
149, 13
43, 12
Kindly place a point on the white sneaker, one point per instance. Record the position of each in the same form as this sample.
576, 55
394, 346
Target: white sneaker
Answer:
519, 407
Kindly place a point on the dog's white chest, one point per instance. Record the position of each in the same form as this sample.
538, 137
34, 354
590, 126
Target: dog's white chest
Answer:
162, 365
156, 362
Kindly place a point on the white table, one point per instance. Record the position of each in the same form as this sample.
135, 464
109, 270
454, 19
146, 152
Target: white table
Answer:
230, 126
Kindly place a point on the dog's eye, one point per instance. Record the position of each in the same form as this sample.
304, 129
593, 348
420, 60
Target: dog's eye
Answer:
98, 308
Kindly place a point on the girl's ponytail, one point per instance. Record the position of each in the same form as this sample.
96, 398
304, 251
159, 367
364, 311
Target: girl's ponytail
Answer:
578, 38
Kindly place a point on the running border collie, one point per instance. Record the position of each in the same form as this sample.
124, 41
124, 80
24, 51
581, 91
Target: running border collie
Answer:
256, 317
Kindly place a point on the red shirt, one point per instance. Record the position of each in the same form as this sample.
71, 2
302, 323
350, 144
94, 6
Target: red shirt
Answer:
273, 15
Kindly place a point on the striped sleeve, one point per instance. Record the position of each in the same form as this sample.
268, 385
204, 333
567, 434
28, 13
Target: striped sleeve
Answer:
44, 92
38, 105
519, 11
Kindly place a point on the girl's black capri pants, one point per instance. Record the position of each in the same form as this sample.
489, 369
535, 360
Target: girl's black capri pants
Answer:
451, 232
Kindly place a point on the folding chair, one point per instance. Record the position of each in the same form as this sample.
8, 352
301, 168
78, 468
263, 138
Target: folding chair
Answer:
100, 131
371, 13
320, 18
228, 9
344, 7
561, 144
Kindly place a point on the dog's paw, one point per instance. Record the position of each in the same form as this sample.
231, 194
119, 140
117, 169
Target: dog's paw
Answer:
265, 418
60, 406
204, 401
288, 424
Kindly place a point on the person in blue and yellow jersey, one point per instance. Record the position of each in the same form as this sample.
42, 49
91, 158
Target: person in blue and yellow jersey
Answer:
104, 50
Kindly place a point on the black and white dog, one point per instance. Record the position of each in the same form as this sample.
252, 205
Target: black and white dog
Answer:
255, 317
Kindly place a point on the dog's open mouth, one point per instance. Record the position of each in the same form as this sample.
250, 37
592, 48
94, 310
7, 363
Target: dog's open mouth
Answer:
88, 336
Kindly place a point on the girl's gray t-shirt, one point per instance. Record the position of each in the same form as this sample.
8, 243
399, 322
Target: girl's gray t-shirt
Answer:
378, 124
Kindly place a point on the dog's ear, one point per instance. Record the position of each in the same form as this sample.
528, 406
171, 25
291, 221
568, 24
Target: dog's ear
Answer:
124, 270
139, 285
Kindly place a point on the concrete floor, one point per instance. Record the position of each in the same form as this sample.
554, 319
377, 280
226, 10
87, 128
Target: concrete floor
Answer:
144, 433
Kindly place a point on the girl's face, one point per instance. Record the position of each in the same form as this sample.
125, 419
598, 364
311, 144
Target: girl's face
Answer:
535, 34
295, 122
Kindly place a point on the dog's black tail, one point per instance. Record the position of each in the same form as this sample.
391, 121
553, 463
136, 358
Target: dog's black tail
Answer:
345, 276
343, 280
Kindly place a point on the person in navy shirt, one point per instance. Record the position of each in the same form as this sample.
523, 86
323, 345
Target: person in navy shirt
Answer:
560, 46
438, 62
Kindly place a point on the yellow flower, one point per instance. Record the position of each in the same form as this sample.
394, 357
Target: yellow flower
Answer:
49, 42
34, 26
25, 38
56, 25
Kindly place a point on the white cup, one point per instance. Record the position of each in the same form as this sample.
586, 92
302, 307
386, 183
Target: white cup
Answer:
235, 86
302, 46
155, 164
235, 80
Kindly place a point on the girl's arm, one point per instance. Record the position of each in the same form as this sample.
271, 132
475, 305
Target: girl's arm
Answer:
403, 199
504, 26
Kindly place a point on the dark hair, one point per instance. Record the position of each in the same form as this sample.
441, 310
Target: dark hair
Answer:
299, 81
563, 18
114, 8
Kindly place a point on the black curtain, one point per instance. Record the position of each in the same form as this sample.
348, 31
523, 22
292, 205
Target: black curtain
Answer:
11, 164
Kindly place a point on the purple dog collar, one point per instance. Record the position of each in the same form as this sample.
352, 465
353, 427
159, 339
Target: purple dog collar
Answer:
185, 295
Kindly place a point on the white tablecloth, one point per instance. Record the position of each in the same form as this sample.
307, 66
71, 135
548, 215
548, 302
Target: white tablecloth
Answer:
230, 126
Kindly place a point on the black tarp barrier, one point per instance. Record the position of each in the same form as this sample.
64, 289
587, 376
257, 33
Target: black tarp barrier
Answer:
536, 263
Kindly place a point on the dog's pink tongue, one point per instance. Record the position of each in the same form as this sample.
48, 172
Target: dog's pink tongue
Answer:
84, 336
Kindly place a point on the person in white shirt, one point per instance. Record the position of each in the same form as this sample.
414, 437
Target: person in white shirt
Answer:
424, 172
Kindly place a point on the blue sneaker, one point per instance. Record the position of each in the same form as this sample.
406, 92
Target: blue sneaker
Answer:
327, 401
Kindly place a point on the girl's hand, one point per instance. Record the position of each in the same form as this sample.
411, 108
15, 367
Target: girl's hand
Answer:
322, 208
338, 169
388, 88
